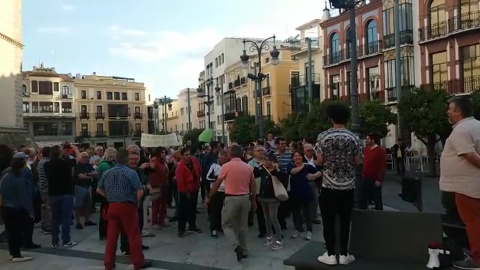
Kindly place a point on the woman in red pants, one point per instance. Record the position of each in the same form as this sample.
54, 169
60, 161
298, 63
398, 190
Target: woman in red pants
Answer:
158, 180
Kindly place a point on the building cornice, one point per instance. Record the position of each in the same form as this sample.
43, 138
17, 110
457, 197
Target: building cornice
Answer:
345, 15
11, 40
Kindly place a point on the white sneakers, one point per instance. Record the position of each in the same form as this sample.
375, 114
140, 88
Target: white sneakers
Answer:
21, 259
326, 259
308, 236
332, 259
346, 259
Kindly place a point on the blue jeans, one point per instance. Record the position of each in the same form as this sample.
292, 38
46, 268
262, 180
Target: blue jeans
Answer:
62, 210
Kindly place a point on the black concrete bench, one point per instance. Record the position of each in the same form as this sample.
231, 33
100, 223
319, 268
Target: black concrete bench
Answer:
381, 240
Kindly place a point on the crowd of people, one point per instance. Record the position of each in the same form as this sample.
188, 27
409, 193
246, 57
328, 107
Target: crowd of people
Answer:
134, 187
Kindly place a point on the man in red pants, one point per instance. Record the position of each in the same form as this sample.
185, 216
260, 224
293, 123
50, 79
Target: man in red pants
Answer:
123, 190
460, 173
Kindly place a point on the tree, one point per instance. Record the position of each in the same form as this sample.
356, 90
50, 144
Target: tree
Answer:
424, 113
289, 126
192, 136
375, 118
244, 130
315, 121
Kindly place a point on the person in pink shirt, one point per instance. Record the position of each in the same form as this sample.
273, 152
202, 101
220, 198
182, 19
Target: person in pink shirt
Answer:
240, 193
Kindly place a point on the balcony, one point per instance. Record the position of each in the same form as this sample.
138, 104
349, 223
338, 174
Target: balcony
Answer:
137, 115
84, 115
243, 80
100, 133
237, 83
229, 116
454, 24
406, 37
301, 46
230, 85
456, 86
99, 115
266, 91
369, 48
302, 80
200, 114
69, 96
137, 134
84, 134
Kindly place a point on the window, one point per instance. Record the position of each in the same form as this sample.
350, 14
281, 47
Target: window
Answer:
229, 102
373, 86
182, 127
45, 88
117, 96
34, 86
124, 96
334, 86
57, 107
99, 128
216, 62
372, 39
182, 111
66, 107
24, 90
45, 129
223, 58
137, 96
348, 42
138, 127
348, 84
84, 94
218, 118
267, 60
66, 91
99, 109
245, 105
137, 109
238, 105
109, 95
438, 18
389, 22
83, 108
148, 97
84, 128
34, 107
66, 128
56, 87
269, 109
46, 107
334, 49
439, 70
99, 94
26, 107
471, 67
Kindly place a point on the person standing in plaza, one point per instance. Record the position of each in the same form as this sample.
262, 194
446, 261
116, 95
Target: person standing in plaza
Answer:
339, 150
83, 176
43, 186
216, 204
301, 194
207, 161
399, 151
240, 197
107, 163
284, 157
158, 186
16, 190
123, 190
460, 173
257, 161
315, 184
61, 194
187, 174
268, 200
374, 166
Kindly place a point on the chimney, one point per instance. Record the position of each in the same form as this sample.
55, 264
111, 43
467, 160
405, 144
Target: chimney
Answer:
326, 12
94, 73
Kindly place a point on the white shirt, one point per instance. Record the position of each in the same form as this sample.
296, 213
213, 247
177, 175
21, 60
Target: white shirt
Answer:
212, 175
311, 161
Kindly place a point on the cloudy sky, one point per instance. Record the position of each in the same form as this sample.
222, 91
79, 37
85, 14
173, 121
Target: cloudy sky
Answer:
159, 42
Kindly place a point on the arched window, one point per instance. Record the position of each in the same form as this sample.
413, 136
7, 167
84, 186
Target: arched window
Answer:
335, 49
372, 39
348, 42
24, 90
438, 24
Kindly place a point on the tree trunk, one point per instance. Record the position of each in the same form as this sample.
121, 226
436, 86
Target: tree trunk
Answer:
432, 156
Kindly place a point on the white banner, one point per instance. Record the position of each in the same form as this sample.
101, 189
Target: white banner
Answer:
149, 140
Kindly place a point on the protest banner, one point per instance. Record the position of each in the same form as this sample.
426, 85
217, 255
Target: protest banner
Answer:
150, 140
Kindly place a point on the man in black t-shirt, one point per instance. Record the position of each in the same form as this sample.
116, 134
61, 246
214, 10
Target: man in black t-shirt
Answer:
83, 176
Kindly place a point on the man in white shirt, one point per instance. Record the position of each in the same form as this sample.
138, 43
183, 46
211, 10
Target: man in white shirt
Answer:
460, 173
309, 153
216, 204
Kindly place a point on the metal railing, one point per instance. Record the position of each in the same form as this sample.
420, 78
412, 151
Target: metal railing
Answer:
369, 48
84, 115
406, 37
391, 94
100, 133
456, 23
84, 133
138, 115
200, 113
229, 116
137, 134
99, 115
237, 82
302, 80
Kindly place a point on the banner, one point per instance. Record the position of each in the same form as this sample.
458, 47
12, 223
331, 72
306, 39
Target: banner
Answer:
149, 140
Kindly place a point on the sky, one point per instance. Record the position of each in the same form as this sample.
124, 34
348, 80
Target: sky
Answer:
161, 43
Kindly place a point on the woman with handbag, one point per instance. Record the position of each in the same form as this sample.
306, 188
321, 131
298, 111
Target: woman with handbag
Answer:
301, 194
158, 180
271, 179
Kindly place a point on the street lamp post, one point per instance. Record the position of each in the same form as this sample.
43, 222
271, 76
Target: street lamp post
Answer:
165, 101
156, 117
259, 47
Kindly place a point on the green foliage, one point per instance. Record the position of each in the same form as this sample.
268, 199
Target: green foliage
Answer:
476, 104
375, 118
244, 130
192, 135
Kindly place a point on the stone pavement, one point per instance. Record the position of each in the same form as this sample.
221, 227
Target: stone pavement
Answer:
196, 251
